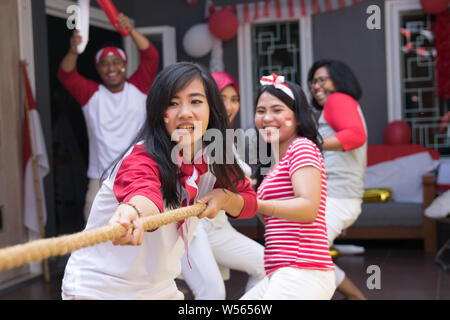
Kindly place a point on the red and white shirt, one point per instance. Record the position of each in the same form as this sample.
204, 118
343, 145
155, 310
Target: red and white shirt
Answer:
295, 244
112, 119
342, 117
105, 271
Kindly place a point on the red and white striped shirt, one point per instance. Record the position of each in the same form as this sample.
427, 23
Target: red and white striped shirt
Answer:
288, 243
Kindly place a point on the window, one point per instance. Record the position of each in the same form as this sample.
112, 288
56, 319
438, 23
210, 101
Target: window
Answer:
162, 37
411, 75
271, 46
421, 107
276, 49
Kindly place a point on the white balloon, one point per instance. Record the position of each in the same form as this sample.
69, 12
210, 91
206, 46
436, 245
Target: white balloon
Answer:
198, 41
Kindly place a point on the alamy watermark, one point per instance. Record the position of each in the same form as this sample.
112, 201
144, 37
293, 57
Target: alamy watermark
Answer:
238, 143
374, 280
73, 20
373, 22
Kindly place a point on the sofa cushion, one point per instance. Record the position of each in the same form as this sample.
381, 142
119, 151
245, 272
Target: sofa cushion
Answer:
390, 214
403, 175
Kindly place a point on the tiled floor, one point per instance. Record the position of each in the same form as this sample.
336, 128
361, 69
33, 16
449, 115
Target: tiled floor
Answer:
406, 272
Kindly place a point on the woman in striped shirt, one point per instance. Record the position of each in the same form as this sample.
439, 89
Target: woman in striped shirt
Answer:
292, 198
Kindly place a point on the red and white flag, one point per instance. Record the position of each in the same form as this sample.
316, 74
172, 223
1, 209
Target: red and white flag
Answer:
34, 147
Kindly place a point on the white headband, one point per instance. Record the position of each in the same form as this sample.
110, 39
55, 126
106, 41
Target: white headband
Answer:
278, 82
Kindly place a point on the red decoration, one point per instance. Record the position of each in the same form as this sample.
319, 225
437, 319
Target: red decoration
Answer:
112, 13
444, 122
434, 6
377, 153
223, 24
192, 2
441, 31
397, 132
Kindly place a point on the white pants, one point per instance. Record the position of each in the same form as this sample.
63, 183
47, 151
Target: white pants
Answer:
294, 284
178, 295
340, 214
224, 246
93, 187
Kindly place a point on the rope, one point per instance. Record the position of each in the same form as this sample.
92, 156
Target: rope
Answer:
37, 250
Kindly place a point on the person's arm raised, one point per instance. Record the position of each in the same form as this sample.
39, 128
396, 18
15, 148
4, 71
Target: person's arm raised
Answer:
141, 41
69, 62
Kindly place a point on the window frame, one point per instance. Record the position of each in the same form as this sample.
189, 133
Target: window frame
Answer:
169, 47
244, 43
392, 13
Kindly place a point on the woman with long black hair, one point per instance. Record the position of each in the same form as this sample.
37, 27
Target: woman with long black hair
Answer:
167, 166
217, 246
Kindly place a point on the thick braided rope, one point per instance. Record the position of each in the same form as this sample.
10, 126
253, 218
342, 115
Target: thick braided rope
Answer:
18, 255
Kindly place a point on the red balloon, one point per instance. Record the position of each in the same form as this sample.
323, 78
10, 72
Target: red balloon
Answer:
397, 132
223, 24
434, 6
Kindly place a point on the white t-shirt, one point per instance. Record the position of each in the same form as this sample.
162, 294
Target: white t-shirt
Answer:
105, 271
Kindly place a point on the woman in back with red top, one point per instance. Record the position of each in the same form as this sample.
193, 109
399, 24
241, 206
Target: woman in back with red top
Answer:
335, 93
292, 198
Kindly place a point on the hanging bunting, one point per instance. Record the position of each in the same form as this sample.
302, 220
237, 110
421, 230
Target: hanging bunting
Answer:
274, 9
210, 8
420, 51
280, 9
406, 33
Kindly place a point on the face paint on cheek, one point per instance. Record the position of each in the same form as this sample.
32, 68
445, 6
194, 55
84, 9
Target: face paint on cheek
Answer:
166, 118
288, 121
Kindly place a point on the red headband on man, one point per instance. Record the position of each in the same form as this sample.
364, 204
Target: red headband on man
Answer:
110, 51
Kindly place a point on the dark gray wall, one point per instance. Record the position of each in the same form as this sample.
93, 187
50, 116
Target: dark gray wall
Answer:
173, 13
343, 35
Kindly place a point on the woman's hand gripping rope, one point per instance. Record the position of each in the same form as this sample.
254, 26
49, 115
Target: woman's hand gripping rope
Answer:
20, 254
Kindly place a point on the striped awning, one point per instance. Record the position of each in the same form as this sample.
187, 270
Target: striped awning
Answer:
280, 9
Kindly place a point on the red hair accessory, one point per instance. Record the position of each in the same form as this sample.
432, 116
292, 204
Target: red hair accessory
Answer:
278, 82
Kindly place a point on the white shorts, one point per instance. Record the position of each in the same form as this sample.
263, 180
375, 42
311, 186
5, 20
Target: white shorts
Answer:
213, 248
294, 284
178, 295
340, 213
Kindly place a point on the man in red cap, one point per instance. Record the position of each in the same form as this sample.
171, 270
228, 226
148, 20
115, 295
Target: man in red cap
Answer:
114, 110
